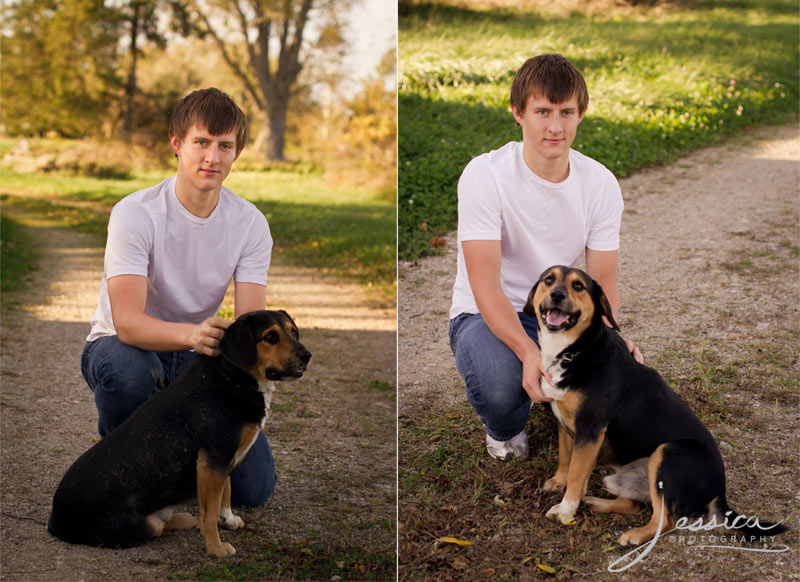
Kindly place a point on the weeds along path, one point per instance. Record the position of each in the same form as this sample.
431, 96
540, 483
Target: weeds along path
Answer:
710, 292
332, 433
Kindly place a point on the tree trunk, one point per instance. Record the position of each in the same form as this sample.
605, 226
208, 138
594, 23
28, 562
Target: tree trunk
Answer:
276, 127
130, 88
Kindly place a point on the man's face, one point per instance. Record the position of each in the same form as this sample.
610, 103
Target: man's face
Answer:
205, 160
548, 129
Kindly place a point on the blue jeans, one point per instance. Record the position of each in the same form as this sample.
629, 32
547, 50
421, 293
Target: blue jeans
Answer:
492, 373
122, 377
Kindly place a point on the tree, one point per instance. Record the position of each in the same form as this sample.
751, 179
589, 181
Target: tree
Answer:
262, 26
141, 17
59, 66
372, 126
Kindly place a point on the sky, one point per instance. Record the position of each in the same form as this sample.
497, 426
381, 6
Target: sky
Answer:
372, 29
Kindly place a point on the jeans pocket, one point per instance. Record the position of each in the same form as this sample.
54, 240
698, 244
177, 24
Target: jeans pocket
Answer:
455, 325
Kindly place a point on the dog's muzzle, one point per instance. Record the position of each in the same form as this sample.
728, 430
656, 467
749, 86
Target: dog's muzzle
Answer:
293, 371
557, 311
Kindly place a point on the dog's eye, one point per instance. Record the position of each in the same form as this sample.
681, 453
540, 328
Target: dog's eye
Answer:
578, 286
295, 335
271, 338
549, 279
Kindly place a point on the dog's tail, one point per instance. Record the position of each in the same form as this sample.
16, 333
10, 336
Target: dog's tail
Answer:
751, 528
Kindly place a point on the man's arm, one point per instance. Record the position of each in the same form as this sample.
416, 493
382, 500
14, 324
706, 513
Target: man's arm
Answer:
128, 297
602, 267
248, 297
482, 259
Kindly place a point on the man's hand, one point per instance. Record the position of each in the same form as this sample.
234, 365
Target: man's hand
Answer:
532, 373
637, 355
204, 338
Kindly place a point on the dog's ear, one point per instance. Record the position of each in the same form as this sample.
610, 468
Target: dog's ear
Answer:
289, 317
529, 309
238, 345
601, 301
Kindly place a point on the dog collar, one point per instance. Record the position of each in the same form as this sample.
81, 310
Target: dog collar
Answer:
567, 357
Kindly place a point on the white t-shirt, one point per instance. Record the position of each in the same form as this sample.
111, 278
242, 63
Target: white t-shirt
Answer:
539, 223
188, 261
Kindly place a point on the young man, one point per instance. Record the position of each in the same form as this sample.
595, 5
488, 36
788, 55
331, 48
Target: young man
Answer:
521, 209
172, 250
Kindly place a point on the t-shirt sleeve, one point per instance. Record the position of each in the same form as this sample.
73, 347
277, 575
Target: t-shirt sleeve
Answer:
479, 209
256, 253
604, 231
130, 241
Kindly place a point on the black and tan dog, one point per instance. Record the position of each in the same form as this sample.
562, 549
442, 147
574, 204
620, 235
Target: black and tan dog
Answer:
182, 442
603, 398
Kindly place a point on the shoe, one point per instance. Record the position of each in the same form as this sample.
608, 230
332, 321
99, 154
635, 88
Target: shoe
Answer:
516, 447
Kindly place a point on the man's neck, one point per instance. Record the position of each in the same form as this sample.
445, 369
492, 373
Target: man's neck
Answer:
198, 202
552, 170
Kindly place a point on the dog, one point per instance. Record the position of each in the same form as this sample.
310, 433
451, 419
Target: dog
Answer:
604, 399
181, 443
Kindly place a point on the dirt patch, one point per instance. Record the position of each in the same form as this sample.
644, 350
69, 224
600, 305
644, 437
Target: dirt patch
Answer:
333, 435
710, 288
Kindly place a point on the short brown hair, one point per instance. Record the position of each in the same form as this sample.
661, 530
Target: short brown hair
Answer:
212, 109
549, 76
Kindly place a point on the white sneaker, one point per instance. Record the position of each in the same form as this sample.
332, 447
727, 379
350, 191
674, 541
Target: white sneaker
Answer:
506, 450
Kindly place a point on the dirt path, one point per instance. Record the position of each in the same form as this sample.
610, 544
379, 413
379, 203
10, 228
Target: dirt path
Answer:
333, 433
711, 294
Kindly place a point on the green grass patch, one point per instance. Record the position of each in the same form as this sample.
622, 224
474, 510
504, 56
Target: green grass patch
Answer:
301, 561
659, 87
347, 231
381, 386
18, 254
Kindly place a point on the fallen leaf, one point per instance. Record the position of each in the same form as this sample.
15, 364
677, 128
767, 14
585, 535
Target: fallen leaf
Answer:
498, 502
456, 541
460, 563
546, 568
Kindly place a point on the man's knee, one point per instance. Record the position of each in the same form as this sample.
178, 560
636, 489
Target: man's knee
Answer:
122, 377
253, 482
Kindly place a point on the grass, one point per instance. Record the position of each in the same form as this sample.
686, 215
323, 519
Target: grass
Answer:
18, 254
287, 560
347, 231
659, 88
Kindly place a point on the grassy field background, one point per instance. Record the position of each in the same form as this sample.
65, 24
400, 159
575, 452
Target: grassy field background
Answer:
18, 254
345, 230
661, 84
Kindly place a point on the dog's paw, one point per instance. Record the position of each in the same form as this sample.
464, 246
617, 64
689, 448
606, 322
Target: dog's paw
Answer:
228, 520
564, 512
554, 484
636, 536
222, 550
231, 522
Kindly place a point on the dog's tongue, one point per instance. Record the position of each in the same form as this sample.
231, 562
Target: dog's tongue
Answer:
556, 317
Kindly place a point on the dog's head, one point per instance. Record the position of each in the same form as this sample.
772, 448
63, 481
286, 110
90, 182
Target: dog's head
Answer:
567, 300
266, 345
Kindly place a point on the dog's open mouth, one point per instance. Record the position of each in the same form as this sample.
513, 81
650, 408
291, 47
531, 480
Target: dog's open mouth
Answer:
280, 374
556, 320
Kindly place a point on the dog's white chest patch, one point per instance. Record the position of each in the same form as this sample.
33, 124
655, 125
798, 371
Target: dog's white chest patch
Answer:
266, 388
246, 450
551, 391
551, 346
556, 413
